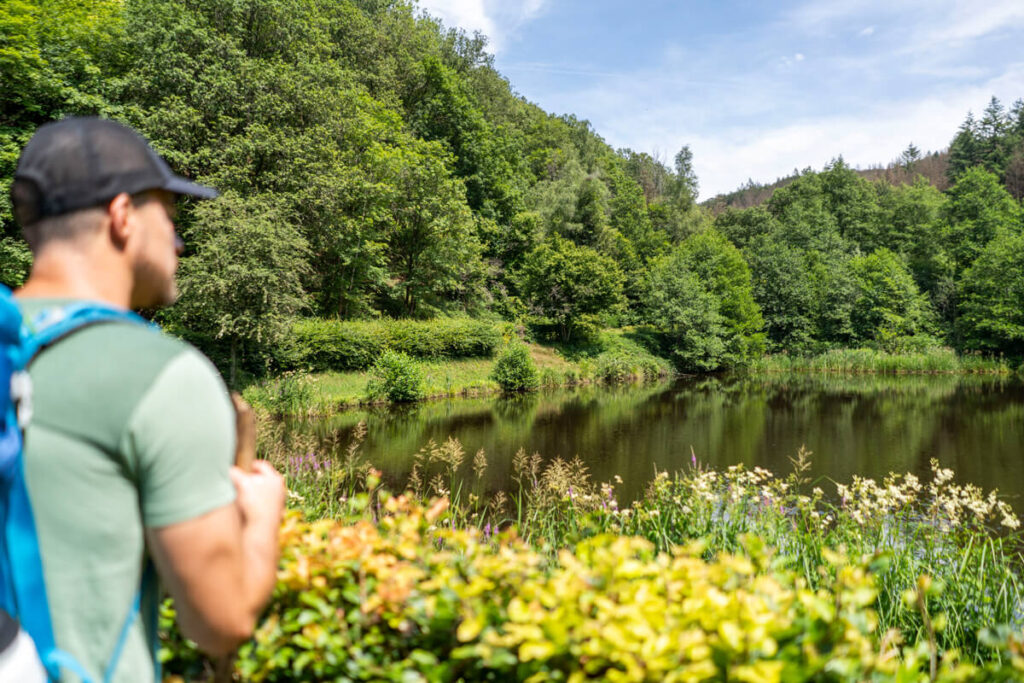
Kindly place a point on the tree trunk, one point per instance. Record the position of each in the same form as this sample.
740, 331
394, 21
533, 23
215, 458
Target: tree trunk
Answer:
234, 363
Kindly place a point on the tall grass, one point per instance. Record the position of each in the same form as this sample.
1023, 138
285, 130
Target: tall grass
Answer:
934, 360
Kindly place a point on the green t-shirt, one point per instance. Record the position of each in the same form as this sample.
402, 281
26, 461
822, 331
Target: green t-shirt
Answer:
131, 428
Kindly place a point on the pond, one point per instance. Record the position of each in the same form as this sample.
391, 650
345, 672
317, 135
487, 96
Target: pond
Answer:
853, 425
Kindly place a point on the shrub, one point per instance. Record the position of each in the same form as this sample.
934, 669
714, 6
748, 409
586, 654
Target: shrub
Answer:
337, 345
397, 377
443, 337
354, 345
515, 369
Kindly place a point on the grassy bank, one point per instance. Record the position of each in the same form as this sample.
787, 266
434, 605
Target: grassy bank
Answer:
872, 361
616, 357
713, 575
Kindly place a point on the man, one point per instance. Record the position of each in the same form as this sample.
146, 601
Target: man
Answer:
128, 454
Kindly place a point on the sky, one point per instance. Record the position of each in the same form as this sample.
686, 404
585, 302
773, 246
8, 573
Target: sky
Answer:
757, 88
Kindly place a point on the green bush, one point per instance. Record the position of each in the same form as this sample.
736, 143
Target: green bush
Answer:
515, 369
337, 345
355, 345
397, 377
443, 337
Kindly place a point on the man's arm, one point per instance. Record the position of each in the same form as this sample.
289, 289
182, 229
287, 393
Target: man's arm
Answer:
221, 567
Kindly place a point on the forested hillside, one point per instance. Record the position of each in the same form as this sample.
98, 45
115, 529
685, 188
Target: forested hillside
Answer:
374, 164
911, 163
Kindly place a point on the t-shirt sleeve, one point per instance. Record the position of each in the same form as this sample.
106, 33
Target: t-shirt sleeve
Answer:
180, 441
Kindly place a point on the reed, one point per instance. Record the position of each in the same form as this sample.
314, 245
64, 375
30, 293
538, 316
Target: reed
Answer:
939, 360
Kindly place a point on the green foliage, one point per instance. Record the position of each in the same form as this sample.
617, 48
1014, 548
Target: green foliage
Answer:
291, 394
354, 345
568, 286
15, 261
784, 290
979, 208
397, 377
910, 224
701, 298
992, 293
486, 156
444, 337
405, 178
244, 281
335, 345
54, 59
888, 304
618, 366
744, 227
515, 370
850, 199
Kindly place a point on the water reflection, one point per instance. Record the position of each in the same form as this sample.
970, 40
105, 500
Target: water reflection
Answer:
867, 425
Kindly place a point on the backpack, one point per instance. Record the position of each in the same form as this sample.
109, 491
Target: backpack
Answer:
22, 590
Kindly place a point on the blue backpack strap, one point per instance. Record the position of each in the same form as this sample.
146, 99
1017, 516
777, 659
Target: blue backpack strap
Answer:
148, 584
54, 324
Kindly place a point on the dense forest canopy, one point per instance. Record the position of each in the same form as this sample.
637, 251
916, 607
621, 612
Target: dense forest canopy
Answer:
375, 164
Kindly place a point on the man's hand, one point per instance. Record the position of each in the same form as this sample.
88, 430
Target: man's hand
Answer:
261, 494
221, 568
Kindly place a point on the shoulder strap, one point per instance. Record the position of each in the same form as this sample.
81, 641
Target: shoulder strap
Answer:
148, 584
55, 324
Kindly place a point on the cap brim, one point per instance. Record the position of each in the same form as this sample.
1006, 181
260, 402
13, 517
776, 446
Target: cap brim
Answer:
179, 185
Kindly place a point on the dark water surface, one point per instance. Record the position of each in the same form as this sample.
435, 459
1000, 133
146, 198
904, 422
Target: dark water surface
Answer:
866, 425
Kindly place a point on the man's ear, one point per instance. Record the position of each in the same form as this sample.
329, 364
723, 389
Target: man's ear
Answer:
119, 210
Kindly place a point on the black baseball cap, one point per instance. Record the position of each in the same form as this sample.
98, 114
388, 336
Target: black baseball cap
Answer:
80, 162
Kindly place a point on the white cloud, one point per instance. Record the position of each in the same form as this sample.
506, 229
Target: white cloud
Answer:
819, 15
630, 112
969, 20
940, 23
496, 19
799, 57
725, 159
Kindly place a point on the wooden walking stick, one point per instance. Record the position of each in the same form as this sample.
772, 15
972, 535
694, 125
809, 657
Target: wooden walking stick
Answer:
245, 427
245, 454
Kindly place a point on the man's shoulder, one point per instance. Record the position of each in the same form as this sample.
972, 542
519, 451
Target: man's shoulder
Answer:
99, 375
129, 347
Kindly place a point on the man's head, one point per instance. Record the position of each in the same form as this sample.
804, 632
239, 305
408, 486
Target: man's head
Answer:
88, 185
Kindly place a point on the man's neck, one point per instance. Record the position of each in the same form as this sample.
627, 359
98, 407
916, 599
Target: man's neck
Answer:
60, 273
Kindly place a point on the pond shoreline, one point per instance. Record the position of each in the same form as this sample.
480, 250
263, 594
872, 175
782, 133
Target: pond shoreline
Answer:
328, 393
